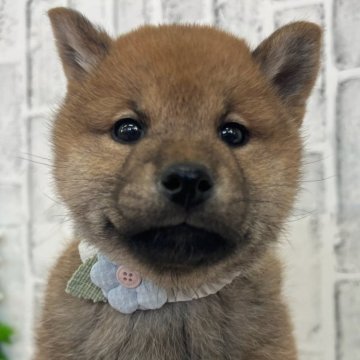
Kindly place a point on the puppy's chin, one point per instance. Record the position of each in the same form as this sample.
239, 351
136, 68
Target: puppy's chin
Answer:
181, 247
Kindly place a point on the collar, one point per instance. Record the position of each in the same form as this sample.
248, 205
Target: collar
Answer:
126, 290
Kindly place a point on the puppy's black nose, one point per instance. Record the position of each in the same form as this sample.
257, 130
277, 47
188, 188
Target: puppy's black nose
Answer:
186, 184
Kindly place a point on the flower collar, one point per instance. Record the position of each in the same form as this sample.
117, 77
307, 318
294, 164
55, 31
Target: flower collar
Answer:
100, 280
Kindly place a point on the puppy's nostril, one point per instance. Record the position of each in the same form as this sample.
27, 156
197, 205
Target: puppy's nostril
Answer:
186, 184
108, 225
204, 185
172, 183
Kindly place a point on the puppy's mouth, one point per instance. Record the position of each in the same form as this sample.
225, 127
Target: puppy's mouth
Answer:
179, 247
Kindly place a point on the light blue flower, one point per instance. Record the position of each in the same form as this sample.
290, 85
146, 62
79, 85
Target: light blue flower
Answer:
126, 300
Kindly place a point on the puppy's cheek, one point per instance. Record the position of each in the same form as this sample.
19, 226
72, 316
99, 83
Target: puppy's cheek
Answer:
227, 209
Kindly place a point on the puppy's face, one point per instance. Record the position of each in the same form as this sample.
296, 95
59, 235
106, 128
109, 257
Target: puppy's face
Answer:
178, 149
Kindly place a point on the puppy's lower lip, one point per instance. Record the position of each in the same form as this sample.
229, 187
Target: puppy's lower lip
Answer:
179, 246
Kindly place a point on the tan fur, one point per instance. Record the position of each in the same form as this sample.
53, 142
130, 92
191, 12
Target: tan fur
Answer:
183, 81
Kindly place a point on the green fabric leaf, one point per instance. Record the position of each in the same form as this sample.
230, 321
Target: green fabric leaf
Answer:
5, 333
81, 286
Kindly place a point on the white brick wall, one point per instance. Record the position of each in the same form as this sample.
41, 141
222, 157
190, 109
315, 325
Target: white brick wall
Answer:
322, 247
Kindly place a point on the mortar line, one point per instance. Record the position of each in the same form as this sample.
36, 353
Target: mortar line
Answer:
287, 5
331, 196
349, 74
157, 12
209, 17
28, 183
269, 23
111, 15
341, 276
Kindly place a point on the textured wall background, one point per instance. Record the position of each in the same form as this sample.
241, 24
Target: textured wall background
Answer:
322, 247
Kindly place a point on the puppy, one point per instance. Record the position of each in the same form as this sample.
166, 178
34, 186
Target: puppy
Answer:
177, 151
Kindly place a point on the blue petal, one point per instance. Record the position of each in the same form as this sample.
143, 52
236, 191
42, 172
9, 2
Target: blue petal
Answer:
150, 296
103, 274
123, 299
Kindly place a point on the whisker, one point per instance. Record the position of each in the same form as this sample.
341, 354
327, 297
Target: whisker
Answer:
35, 162
37, 156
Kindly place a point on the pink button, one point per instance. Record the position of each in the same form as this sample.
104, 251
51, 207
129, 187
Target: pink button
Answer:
126, 277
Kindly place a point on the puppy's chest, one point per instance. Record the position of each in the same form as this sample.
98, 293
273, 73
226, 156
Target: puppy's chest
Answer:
177, 331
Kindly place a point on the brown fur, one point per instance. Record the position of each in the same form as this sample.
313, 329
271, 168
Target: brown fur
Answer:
182, 81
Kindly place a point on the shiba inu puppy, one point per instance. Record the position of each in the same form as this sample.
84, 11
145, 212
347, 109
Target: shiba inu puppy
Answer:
177, 151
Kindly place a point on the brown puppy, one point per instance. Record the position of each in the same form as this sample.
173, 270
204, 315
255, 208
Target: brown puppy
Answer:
177, 150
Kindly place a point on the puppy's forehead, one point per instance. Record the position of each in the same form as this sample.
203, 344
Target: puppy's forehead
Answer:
192, 60
189, 49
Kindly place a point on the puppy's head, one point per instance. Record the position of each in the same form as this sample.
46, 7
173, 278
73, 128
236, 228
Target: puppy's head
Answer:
177, 149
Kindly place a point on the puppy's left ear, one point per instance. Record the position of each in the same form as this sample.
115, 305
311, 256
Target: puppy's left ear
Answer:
80, 44
290, 59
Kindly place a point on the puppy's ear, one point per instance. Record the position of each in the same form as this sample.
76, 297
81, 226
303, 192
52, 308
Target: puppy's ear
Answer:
81, 45
290, 59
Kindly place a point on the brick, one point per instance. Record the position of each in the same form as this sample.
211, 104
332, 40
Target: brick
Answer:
301, 245
129, 15
185, 11
348, 318
48, 214
47, 81
302, 282
348, 146
49, 225
314, 121
10, 205
12, 14
346, 37
243, 18
302, 287
13, 129
348, 249
14, 307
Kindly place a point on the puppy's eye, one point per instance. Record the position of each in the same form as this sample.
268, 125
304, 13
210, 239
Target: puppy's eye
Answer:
127, 130
234, 134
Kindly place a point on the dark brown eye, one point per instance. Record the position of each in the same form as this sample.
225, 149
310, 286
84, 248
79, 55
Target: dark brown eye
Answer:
127, 131
234, 134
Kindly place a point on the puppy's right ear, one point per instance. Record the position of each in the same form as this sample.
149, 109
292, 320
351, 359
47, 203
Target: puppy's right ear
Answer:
81, 46
290, 60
